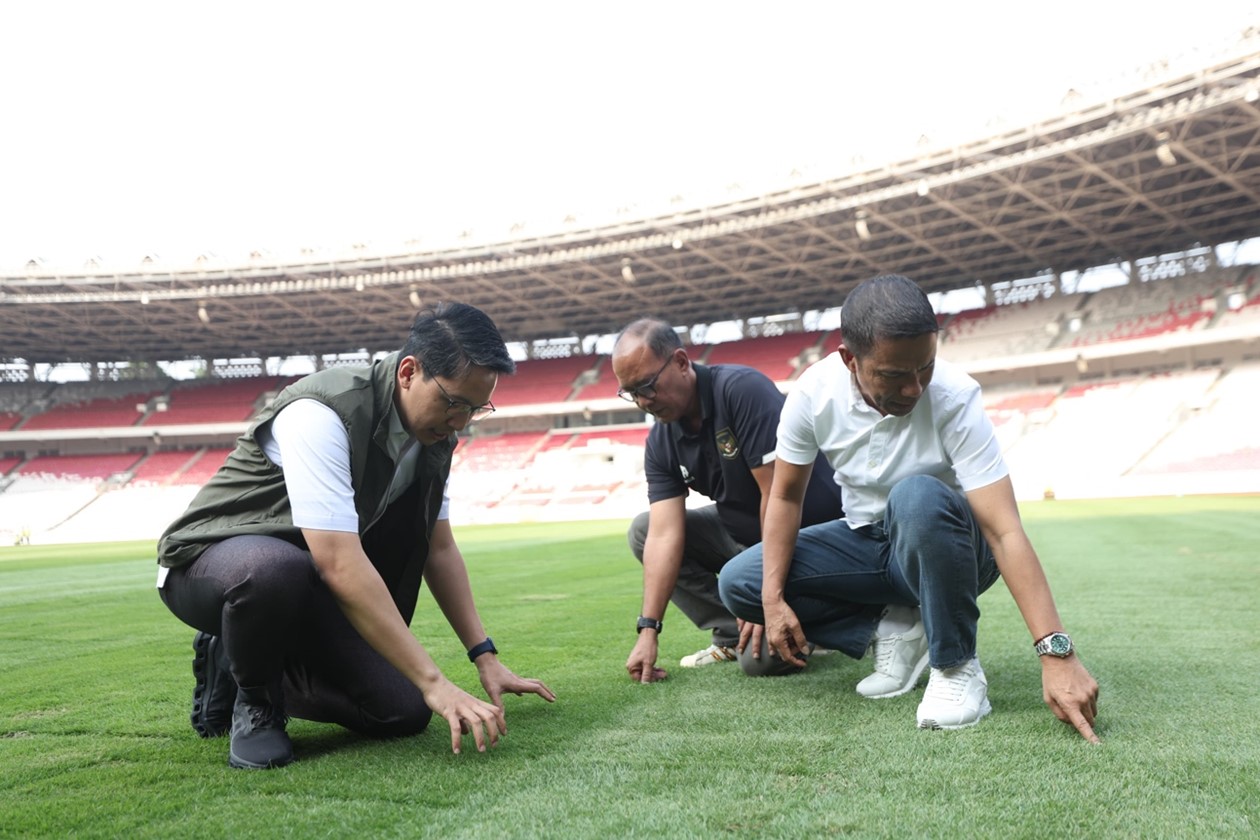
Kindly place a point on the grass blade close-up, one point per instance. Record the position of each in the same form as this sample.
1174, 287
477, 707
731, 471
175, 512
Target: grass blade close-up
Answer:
1159, 595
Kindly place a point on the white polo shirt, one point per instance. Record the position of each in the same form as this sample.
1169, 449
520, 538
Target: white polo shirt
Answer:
309, 443
947, 434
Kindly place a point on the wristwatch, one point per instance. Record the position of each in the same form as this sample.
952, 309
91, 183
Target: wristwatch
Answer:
1056, 644
654, 623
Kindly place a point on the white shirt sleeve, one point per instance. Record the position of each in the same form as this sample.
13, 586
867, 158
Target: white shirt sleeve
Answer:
972, 442
797, 440
309, 443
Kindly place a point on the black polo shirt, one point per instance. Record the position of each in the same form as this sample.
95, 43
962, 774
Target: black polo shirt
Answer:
739, 407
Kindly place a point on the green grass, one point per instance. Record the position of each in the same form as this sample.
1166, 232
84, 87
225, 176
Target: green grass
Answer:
1160, 596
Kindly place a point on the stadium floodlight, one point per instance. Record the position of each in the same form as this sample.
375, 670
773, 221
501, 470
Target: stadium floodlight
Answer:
1164, 151
202, 314
414, 297
863, 232
627, 272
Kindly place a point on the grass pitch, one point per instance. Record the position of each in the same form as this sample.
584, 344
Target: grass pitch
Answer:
1160, 596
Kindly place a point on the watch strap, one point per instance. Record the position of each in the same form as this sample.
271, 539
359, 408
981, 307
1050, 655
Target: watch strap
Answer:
646, 623
482, 647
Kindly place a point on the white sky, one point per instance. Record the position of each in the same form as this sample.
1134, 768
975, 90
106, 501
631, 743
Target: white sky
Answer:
178, 128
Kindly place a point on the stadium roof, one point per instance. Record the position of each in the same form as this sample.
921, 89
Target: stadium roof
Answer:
1164, 169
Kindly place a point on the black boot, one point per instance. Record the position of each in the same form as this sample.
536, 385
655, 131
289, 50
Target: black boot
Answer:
258, 737
215, 691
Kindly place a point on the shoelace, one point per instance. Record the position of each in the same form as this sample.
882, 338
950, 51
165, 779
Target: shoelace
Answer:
950, 688
885, 647
262, 715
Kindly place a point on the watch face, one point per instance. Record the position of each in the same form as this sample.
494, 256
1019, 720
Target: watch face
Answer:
1060, 645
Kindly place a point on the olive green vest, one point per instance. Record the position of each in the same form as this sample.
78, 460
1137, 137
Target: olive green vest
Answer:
247, 495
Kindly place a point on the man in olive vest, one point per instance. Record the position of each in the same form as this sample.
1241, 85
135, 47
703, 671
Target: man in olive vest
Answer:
300, 561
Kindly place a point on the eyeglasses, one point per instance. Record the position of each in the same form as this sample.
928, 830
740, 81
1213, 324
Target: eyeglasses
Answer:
647, 390
456, 407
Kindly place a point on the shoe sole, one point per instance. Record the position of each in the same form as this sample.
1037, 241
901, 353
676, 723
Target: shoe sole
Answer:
985, 708
688, 662
205, 668
919, 668
242, 764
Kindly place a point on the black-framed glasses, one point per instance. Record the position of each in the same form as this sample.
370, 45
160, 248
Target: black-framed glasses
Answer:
455, 407
647, 390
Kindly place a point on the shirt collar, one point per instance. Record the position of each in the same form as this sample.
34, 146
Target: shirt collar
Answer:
397, 438
704, 389
857, 402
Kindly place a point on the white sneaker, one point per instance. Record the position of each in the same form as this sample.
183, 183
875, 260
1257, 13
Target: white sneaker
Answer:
708, 656
899, 662
955, 697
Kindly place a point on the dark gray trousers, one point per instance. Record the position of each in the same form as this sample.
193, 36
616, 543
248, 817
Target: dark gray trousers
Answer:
282, 630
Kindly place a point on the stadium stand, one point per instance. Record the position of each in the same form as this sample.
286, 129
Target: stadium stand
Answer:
1085, 441
162, 468
539, 381
1002, 331
214, 402
1217, 429
1145, 309
78, 467
779, 357
198, 472
100, 412
507, 451
1168, 429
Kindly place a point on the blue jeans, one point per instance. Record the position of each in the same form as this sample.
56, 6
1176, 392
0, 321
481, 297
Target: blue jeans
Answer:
928, 552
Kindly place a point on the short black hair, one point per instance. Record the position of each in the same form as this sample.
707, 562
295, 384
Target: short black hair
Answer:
659, 336
450, 338
887, 306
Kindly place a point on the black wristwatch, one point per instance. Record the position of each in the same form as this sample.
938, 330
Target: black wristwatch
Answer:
482, 647
1056, 644
653, 623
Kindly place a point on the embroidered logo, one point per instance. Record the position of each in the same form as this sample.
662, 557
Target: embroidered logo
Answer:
687, 477
726, 444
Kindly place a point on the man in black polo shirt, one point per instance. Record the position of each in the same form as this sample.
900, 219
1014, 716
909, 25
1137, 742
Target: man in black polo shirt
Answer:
715, 434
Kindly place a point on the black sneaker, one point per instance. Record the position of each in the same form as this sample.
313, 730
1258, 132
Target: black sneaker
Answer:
215, 691
258, 737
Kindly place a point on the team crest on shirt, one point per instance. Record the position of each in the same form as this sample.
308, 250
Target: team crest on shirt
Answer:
727, 444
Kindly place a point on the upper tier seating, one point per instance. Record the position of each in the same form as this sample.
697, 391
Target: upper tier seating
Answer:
214, 401
542, 380
1000, 331
102, 412
775, 356
1139, 310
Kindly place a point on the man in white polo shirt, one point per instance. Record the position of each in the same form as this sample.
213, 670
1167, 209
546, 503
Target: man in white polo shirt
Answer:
930, 522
